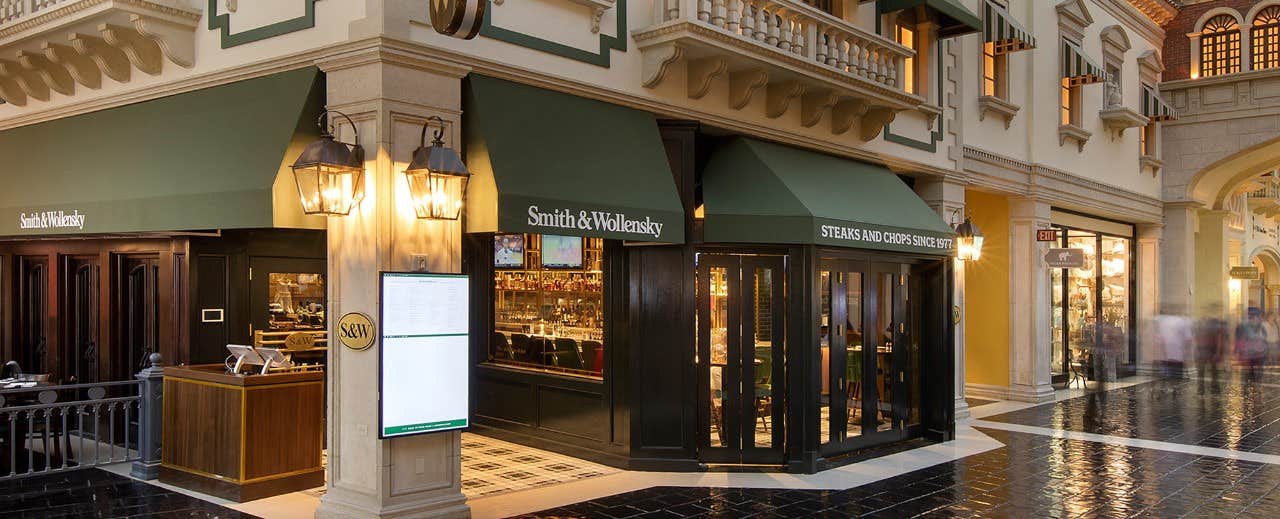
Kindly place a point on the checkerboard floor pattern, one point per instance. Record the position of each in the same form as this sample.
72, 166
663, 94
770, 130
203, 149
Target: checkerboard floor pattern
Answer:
490, 466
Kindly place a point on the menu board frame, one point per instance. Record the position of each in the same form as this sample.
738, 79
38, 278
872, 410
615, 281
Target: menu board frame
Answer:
463, 340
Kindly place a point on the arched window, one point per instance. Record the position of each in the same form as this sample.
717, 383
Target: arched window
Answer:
1220, 46
1264, 39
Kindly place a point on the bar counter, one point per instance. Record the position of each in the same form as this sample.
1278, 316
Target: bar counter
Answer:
242, 437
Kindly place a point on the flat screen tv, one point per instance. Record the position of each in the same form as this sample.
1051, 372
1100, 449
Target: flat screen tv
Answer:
561, 252
508, 251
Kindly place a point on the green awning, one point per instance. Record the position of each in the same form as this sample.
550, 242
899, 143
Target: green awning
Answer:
211, 159
954, 19
759, 192
552, 163
1003, 31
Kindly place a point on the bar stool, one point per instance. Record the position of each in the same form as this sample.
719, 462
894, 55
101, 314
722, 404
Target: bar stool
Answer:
566, 354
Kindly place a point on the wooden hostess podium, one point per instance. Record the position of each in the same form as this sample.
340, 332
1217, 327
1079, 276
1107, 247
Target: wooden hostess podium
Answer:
242, 437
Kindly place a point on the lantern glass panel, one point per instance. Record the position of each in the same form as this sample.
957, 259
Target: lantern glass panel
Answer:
436, 195
329, 190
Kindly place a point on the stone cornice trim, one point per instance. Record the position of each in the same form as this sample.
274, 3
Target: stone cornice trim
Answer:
69, 9
1218, 80
1136, 19
1057, 187
437, 59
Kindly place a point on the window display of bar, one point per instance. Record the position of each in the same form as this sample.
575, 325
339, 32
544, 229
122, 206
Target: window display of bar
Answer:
548, 303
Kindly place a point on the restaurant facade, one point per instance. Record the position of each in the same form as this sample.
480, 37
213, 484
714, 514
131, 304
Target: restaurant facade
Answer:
698, 235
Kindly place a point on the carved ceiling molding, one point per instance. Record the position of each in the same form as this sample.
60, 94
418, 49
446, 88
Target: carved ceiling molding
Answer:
71, 45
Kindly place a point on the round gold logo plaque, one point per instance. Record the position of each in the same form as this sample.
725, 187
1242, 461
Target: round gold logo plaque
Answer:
356, 331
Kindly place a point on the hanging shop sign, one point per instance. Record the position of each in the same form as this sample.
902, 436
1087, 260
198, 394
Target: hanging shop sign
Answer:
458, 18
1064, 258
424, 366
38, 220
1245, 273
1046, 235
356, 331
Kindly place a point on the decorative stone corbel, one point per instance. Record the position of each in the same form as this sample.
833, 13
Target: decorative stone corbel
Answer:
701, 72
993, 104
53, 74
1073, 132
110, 60
81, 67
30, 83
845, 113
873, 122
815, 104
598, 7
1120, 118
657, 63
11, 92
779, 97
143, 52
743, 86
174, 40
931, 114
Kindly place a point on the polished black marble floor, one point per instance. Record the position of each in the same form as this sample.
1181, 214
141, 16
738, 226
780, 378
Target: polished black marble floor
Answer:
94, 493
1032, 476
1235, 414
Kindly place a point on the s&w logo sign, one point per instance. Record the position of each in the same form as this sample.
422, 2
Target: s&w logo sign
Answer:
458, 18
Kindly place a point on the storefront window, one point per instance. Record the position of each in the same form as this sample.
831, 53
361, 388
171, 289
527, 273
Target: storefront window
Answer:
1091, 307
295, 301
548, 303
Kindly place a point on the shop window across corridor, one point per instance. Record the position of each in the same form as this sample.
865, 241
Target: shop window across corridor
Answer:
1092, 308
548, 303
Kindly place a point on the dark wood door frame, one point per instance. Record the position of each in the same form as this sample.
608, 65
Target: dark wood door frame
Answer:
81, 342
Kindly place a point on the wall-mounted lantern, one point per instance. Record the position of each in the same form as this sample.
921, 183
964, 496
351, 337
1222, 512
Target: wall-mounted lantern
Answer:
330, 173
968, 241
437, 177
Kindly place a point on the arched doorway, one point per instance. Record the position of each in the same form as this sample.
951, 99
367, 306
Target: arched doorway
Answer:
1264, 293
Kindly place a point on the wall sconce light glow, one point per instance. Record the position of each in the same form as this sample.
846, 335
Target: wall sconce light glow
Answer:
437, 177
330, 173
1234, 284
968, 241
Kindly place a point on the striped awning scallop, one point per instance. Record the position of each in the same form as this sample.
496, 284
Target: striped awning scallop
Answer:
1079, 68
1154, 107
1001, 29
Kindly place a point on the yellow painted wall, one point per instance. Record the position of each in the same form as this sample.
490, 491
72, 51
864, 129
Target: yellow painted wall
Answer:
986, 329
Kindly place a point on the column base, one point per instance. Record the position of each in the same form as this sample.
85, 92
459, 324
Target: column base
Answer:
334, 506
1037, 394
962, 409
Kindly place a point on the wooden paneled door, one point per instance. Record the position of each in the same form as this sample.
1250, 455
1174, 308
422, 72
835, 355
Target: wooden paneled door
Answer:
79, 317
31, 314
137, 314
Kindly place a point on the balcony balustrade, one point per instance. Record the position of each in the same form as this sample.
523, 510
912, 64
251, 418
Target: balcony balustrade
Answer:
58, 45
789, 49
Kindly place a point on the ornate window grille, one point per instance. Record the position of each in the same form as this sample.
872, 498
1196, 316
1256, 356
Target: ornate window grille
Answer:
1220, 46
1264, 39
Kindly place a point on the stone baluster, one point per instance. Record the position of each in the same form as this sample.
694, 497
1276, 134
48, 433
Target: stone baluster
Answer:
748, 22
784, 32
842, 57
717, 13
762, 21
798, 29
771, 16
812, 41
704, 10
822, 50
670, 10
733, 18
895, 65
857, 66
880, 66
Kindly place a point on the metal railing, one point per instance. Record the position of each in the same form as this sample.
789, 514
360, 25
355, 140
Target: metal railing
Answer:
797, 28
51, 429
1270, 188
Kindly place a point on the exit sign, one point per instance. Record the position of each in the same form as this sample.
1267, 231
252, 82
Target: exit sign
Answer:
1046, 235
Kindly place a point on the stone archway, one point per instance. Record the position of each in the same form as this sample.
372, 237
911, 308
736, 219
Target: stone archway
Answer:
1214, 183
1265, 291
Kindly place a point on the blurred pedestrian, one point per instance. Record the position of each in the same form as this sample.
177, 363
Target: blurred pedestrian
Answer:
1210, 343
1251, 344
1173, 338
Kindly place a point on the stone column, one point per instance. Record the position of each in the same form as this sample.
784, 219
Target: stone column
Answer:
1178, 256
389, 95
1148, 296
1029, 324
1212, 262
946, 197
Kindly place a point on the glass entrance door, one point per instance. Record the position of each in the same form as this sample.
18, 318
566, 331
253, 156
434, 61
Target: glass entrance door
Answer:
741, 326
869, 354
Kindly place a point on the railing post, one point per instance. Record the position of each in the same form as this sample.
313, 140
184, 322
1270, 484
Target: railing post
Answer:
150, 418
